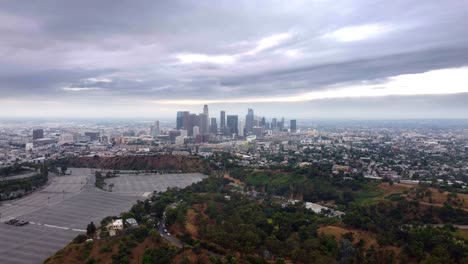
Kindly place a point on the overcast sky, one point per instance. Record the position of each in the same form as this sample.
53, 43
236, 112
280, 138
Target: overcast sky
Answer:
304, 59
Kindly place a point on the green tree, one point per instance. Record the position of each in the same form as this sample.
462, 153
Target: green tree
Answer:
90, 229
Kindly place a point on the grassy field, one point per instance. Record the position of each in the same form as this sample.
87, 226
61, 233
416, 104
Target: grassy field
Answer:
370, 195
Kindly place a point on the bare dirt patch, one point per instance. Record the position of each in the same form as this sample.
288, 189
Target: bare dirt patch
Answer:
395, 188
368, 237
236, 181
191, 223
434, 197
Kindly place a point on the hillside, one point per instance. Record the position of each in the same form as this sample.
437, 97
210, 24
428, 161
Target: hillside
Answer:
170, 163
219, 223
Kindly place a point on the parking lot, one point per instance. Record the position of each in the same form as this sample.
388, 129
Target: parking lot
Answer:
62, 210
139, 184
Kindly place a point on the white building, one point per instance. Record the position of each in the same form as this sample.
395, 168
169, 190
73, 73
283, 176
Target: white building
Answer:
66, 138
196, 131
180, 140
117, 224
29, 146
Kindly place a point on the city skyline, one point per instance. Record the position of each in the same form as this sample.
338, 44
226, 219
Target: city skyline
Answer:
116, 59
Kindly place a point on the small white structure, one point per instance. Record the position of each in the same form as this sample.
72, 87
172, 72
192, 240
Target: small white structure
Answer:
29, 146
117, 224
320, 209
131, 222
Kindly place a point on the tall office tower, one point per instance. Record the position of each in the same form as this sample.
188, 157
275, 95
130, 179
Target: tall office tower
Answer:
292, 125
263, 122
281, 124
222, 122
232, 123
196, 131
180, 119
273, 123
204, 124
38, 133
205, 111
213, 126
155, 129
241, 128
249, 121
193, 120
185, 120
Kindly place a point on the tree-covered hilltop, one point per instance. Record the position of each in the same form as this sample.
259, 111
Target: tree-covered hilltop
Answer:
16, 188
248, 217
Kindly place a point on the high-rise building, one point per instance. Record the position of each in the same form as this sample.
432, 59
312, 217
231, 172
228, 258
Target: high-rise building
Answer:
207, 126
222, 122
38, 133
204, 124
274, 123
263, 122
281, 124
241, 128
292, 125
232, 124
193, 120
180, 119
249, 121
185, 120
213, 126
155, 129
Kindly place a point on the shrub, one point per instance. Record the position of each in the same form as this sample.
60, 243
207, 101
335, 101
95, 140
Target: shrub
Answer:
80, 239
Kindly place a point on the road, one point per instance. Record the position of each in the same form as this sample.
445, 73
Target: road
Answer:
174, 241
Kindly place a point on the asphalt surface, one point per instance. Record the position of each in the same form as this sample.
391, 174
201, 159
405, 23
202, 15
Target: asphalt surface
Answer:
162, 227
61, 211
142, 184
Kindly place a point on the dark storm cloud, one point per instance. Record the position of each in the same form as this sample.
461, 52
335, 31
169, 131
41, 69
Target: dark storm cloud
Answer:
155, 50
374, 69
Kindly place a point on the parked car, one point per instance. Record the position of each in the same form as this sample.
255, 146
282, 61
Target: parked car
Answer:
11, 221
21, 223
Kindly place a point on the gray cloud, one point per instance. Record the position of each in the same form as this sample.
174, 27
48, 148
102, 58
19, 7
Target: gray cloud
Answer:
49, 45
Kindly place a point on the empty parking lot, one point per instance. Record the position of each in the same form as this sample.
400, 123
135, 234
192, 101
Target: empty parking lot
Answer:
62, 210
